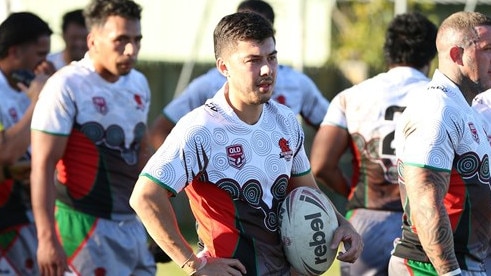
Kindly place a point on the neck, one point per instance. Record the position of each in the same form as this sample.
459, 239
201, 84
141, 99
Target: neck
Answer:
469, 88
248, 113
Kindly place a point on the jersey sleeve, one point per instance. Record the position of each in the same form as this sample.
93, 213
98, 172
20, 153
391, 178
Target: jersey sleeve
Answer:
182, 157
315, 105
425, 140
336, 114
301, 164
55, 110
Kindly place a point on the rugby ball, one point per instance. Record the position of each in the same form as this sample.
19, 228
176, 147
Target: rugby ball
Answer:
307, 223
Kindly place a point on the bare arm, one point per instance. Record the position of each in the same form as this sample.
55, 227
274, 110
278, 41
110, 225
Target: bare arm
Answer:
344, 233
151, 203
46, 151
329, 144
159, 130
146, 150
426, 190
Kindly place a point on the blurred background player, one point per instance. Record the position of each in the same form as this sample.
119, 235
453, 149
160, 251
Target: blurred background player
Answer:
363, 119
24, 44
74, 34
292, 88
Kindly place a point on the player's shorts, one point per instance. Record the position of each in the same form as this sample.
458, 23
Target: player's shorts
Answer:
378, 230
18, 248
403, 267
96, 246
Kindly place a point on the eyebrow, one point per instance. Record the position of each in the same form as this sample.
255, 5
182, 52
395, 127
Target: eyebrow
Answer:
270, 54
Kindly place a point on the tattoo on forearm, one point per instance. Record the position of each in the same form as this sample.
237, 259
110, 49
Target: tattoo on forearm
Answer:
426, 190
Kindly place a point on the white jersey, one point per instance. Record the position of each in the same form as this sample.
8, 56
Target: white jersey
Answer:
440, 131
482, 103
57, 59
105, 123
13, 104
13, 202
236, 176
292, 88
369, 112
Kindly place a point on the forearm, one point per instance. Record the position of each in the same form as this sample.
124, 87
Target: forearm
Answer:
155, 211
426, 190
435, 234
43, 203
335, 180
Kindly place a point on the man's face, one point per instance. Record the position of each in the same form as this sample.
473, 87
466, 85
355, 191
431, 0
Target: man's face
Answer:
114, 46
477, 59
32, 54
75, 37
251, 71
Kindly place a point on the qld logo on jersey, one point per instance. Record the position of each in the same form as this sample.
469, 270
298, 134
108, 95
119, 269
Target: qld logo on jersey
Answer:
100, 105
236, 156
286, 152
473, 130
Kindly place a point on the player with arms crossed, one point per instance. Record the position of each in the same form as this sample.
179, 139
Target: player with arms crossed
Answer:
237, 156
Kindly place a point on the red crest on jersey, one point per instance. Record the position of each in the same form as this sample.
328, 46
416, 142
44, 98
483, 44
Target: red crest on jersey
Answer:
286, 152
236, 156
473, 130
139, 102
100, 104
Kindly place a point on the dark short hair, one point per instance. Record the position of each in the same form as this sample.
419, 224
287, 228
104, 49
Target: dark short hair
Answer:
240, 26
73, 17
257, 6
410, 40
97, 12
21, 28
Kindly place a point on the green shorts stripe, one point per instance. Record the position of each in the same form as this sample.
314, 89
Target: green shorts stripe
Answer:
74, 227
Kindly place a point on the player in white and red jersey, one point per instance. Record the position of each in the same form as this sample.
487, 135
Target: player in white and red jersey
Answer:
24, 45
293, 89
482, 103
90, 125
443, 149
237, 157
362, 119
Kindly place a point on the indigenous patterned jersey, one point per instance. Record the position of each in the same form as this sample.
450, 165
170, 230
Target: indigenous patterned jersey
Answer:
13, 201
236, 176
105, 123
440, 131
292, 89
369, 112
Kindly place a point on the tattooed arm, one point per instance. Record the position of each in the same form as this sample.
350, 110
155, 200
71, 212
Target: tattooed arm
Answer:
425, 190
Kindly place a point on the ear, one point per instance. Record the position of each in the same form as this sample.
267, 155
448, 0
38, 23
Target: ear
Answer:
91, 42
456, 54
222, 67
